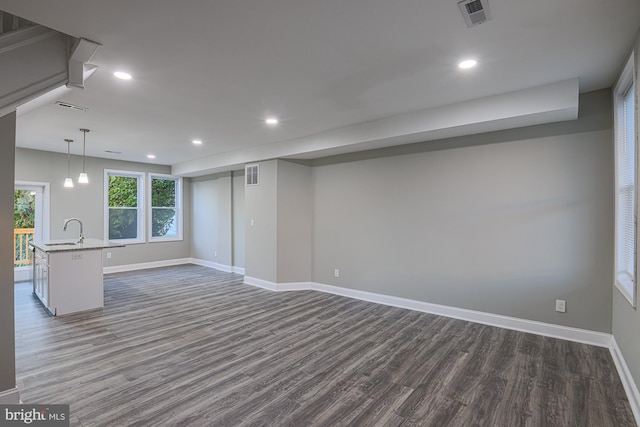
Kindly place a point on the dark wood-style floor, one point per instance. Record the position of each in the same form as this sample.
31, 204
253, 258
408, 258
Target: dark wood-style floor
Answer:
193, 346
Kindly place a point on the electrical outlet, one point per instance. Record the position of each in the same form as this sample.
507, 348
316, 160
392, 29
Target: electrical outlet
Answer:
561, 306
336, 273
108, 255
215, 253
252, 223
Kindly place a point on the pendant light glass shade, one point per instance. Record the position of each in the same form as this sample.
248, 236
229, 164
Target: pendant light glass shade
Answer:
68, 182
84, 178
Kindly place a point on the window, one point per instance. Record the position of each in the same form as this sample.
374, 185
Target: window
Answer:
165, 220
626, 200
124, 201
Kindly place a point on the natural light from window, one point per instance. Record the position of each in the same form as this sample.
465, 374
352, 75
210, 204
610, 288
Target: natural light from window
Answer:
626, 200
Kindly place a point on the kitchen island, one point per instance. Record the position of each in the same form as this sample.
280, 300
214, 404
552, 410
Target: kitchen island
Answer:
67, 276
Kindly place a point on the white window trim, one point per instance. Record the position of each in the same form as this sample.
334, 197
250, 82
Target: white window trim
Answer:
627, 287
178, 208
141, 205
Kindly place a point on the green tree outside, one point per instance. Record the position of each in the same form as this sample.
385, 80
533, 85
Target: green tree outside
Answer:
163, 207
24, 212
123, 203
24, 209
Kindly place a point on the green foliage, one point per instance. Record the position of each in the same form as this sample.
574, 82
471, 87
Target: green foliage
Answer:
123, 194
123, 223
123, 191
24, 208
162, 221
163, 195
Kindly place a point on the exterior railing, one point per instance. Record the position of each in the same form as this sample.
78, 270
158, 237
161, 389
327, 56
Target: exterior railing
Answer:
21, 252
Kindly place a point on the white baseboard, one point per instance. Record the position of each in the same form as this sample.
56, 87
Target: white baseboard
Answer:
599, 339
170, 262
145, 265
280, 287
264, 284
211, 264
294, 286
10, 397
531, 326
218, 266
633, 395
568, 333
23, 274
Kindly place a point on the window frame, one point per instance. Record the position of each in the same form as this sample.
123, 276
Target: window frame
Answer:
627, 81
178, 208
140, 176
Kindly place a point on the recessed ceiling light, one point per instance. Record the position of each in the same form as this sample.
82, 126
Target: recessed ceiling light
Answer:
197, 141
467, 63
122, 75
151, 156
271, 121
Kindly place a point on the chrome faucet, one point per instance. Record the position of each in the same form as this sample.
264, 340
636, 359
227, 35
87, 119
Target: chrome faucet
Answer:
81, 240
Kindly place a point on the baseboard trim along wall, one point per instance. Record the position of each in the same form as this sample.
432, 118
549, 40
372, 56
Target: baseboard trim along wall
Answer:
599, 339
217, 266
633, 395
171, 262
23, 274
584, 336
568, 333
145, 265
10, 397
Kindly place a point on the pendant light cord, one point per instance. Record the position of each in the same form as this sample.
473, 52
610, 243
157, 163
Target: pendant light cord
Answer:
84, 147
69, 141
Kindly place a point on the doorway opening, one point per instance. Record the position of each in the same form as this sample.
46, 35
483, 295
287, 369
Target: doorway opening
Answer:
30, 221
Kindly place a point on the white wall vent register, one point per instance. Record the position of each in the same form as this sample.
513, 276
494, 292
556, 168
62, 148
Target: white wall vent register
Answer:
474, 12
251, 173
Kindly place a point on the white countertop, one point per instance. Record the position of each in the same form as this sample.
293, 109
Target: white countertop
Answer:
71, 245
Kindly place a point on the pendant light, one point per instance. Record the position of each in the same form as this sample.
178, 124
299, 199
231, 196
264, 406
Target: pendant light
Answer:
83, 178
68, 182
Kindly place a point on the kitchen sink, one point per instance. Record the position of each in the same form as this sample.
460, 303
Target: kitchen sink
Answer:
61, 244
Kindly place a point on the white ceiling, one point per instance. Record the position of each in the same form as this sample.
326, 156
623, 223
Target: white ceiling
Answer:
214, 70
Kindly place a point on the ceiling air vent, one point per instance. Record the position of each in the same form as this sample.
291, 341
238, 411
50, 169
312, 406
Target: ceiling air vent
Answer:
70, 106
474, 12
251, 173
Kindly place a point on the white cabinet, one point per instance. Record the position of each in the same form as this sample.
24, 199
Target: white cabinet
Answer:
41, 275
69, 281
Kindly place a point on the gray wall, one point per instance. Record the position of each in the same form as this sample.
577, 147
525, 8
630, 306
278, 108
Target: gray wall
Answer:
218, 218
238, 218
7, 349
204, 215
261, 239
87, 202
504, 222
294, 222
626, 319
